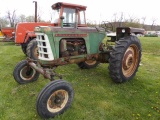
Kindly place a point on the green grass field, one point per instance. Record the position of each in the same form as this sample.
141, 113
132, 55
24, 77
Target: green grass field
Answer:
96, 96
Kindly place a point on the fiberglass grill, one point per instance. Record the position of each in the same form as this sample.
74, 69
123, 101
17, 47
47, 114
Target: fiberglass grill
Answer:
44, 48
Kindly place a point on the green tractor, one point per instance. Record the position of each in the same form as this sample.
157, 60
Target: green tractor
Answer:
75, 43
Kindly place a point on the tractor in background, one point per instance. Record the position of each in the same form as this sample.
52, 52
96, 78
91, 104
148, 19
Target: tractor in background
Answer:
7, 34
1, 35
70, 41
25, 36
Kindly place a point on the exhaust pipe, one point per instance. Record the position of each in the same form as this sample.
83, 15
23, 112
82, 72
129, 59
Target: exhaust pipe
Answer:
35, 19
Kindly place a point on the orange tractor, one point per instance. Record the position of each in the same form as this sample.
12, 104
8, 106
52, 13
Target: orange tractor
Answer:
25, 36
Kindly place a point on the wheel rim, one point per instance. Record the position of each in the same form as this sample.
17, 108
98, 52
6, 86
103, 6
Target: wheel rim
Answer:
130, 60
36, 54
57, 101
90, 62
27, 73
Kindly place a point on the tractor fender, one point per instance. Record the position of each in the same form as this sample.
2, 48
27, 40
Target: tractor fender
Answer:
130, 30
29, 36
127, 31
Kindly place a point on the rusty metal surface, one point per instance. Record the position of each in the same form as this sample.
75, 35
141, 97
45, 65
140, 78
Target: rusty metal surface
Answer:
71, 35
60, 4
38, 69
69, 60
80, 29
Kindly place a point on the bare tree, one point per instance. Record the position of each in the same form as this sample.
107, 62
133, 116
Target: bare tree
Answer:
118, 19
121, 19
22, 18
39, 14
115, 17
132, 21
114, 21
12, 17
3, 22
30, 19
153, 23
143, 21
132, 18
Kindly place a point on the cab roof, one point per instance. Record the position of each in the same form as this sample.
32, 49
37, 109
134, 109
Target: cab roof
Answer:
58, 5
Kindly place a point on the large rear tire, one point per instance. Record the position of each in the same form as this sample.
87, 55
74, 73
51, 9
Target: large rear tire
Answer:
125, 59
54, 99
23, 73
32, 49
88, 64
24, 48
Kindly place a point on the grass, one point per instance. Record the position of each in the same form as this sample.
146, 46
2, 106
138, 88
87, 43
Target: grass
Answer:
96, 96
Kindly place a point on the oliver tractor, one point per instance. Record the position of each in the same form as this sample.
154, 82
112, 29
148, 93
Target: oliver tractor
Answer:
72, 42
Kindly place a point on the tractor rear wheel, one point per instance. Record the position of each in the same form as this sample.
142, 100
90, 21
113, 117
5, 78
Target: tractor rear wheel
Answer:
88, 64
32, 49
23, 73
125, 59
54, 99
24, 47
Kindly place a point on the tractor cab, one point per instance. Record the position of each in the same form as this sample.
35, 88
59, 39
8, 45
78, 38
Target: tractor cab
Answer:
68, 15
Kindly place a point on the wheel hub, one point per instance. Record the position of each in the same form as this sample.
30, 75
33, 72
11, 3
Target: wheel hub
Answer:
130, 60
90, 62
27, 73
57, 101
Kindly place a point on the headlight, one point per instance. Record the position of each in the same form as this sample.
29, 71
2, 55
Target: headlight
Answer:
13, 33
37, 29
123, 30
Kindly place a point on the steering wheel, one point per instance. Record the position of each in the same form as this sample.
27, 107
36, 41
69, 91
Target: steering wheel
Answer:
107, 26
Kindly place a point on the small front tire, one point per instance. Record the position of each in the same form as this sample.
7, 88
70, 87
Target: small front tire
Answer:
54, 99
23, 73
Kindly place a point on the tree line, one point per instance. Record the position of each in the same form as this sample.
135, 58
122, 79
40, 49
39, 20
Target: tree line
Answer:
11, 19
117, 20
121, 20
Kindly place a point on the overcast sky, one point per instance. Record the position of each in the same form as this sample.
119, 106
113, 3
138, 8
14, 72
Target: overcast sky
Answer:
97, 10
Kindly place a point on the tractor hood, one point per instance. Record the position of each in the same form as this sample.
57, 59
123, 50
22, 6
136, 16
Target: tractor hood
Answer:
45, 29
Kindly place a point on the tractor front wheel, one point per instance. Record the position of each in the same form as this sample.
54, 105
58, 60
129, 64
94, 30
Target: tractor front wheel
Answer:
23, 73
125, 59
88, 64
54, 99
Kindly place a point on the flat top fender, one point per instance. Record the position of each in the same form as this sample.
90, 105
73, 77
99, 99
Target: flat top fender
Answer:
137, 30
127, 31
130, 30
29, 35
22, 30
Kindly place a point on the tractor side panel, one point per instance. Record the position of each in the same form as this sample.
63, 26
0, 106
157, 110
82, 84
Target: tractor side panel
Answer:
95, 39
57, 37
